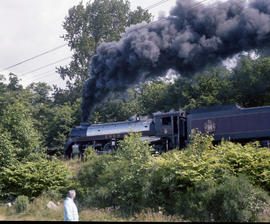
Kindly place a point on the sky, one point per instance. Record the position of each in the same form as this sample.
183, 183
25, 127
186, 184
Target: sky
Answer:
32, 27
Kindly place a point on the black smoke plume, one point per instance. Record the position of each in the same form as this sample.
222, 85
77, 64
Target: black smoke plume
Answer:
192, 37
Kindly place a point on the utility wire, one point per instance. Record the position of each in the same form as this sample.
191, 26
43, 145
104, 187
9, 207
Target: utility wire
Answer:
147, 8
58, 47
34, 57
194, 6
45, 66
155, 4
197, 4
44, 74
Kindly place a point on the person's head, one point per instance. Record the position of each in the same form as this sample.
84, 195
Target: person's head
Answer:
71, 194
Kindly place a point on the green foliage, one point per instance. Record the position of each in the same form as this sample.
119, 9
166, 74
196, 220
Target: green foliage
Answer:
117, 179
112, 111
233, 200
250, 159
154, 97
41, 107
211, 88
21, 204
14, 84
60, 126
32, 177
7, 153
16, 119
202, 182
88, 26
236, 200
251, 84
89, 153
176, 171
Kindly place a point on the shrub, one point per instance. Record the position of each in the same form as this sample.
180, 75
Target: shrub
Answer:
250, 159
184, 182
21, 204
234, 200
118, 179
173, 173
7, 151
31, 178
237, 200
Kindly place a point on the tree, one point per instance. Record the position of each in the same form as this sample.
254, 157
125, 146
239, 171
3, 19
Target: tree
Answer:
88, 26
60, 126
212, 88
16, 120
251, 83
41, 106
3, 86
7, 154
40, 93
153, 97
14, 83
116, 109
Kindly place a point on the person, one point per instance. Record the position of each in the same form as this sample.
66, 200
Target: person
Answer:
70, 209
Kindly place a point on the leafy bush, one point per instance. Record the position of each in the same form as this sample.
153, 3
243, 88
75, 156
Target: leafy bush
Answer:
16, 119
172, 182
7, 153
21, 204
236, 199
173, 173
31, 178
250, 159
117, 179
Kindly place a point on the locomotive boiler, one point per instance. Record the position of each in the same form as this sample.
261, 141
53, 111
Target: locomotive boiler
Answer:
170, 130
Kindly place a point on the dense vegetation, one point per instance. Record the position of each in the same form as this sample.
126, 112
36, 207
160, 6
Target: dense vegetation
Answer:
203, 182
228, 182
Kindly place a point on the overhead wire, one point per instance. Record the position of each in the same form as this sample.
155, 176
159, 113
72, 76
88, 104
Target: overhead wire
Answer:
63, 45
165, 18
155, 4
45, 77
34, 57
147, 8
197, 4
44, 74
45, 66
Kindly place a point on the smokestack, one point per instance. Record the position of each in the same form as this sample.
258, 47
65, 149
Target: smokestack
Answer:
192, 37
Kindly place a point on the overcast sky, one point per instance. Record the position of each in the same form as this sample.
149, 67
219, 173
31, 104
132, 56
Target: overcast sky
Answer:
31, 27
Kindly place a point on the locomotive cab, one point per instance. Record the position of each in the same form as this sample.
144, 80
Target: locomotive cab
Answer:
171, 128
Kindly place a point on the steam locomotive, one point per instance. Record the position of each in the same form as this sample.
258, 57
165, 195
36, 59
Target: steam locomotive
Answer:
165, 131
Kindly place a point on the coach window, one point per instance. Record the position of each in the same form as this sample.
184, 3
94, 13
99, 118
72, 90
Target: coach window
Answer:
166, 121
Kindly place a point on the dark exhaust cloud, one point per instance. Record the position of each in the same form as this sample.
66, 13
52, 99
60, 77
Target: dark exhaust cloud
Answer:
192, 37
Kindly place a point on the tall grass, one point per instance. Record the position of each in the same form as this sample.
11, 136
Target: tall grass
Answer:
38, 211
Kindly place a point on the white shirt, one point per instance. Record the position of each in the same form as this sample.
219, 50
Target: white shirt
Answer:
70, 210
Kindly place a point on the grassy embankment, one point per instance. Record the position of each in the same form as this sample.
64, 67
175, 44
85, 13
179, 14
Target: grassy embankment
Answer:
38, 211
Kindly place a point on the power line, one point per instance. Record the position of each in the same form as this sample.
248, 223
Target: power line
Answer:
58, 47
159, 20
44, 74
197, 4
34, 57
149, 7
155, 4
37, 69
43, 77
